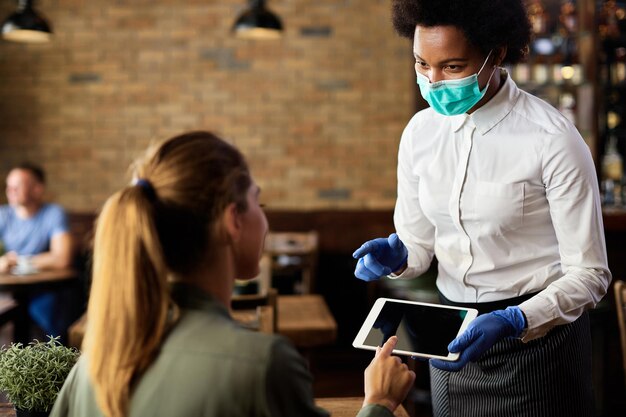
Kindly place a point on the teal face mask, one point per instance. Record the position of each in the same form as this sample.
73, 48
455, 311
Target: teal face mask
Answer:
452, 97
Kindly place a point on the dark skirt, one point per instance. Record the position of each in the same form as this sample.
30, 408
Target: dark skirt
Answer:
549, 376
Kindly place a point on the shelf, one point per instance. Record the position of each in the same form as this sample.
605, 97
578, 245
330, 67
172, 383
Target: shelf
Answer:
612, 43
614, 219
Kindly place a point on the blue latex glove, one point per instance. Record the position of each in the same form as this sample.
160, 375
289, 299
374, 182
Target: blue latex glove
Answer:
380, 257
481, 334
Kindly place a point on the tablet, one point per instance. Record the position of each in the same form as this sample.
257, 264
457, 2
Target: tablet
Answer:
423, 329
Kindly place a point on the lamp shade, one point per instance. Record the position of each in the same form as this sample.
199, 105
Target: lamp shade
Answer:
26, 25
257, 22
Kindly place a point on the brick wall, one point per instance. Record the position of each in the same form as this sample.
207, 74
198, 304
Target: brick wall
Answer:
318, 114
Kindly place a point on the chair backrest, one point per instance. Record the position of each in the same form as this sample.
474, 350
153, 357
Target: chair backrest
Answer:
82, 228
620, 305
295, 250
259, 284
266, 316
256, 302
252, 301
292, 243
76, 332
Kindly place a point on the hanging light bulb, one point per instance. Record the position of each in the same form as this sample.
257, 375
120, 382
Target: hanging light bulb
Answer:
257, 22
26, 25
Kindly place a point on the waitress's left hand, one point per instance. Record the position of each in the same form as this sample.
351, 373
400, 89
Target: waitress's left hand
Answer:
481, 335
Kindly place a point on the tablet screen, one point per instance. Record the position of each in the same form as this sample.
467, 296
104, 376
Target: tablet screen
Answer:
420, 328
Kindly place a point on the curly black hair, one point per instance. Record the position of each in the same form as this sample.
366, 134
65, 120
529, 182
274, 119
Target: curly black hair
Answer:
486, 23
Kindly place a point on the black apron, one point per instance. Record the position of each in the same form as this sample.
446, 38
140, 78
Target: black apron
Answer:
546, 377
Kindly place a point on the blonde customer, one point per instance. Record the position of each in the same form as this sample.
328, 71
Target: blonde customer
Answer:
160, 340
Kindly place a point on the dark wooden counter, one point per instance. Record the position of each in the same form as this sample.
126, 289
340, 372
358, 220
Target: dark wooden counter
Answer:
7, 410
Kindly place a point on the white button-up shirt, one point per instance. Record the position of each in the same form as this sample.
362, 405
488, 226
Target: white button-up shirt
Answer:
507, 200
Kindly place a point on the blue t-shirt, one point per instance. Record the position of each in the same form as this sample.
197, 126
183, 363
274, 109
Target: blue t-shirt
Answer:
31, 236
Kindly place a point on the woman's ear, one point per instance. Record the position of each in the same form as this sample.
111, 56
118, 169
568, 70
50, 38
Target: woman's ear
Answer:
231, 223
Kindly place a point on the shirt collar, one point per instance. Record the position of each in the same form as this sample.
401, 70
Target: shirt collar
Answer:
492, 112
187, 296
457, 121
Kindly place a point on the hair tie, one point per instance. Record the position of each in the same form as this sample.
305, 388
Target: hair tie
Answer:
145, 185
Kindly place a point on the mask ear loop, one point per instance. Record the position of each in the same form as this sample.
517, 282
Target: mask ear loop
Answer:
492, 71
485, 63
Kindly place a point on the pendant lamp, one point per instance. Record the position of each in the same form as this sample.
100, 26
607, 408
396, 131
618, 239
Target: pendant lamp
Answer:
26, 25
257, 22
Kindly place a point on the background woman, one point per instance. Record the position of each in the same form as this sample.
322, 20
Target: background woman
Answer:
160, 340
502, 189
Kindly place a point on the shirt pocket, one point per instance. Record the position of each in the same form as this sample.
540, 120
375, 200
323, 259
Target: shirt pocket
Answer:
498, 207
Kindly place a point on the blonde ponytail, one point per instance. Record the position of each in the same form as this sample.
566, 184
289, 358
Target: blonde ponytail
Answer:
164, 225
129, 298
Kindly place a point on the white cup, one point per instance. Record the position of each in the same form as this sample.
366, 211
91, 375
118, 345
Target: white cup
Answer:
24, 265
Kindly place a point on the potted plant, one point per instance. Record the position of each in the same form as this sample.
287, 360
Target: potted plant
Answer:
31, 376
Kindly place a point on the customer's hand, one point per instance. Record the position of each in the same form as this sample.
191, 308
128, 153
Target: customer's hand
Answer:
380, 257
7, 261
387, 379
481, 335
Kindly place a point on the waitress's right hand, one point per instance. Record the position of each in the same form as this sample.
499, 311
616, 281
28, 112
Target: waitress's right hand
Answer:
380, 257
387, 379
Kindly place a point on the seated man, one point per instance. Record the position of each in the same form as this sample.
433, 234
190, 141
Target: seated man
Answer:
36, 234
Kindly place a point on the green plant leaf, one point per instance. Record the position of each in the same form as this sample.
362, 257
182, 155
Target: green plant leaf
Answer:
32, 375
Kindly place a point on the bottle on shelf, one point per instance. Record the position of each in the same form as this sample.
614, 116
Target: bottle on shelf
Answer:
608, 192
568, 17
567, 29
567, 105
609, 18
538, 17
612, 173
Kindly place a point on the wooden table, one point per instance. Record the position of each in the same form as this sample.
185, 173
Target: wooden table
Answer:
39, 280
347, 407
306, 320
23, 286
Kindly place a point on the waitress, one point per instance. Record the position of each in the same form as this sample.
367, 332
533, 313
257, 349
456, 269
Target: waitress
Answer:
501, 188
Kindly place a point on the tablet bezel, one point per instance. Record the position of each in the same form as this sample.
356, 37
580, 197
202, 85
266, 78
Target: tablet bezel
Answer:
378, 306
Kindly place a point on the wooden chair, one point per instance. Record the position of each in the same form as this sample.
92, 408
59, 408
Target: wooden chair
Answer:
266, 316
265, 307
620, 305
262, 300
76, 332
295, 251
259, 284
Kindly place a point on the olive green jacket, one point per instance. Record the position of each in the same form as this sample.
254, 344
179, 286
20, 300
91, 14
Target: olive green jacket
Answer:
210, 366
